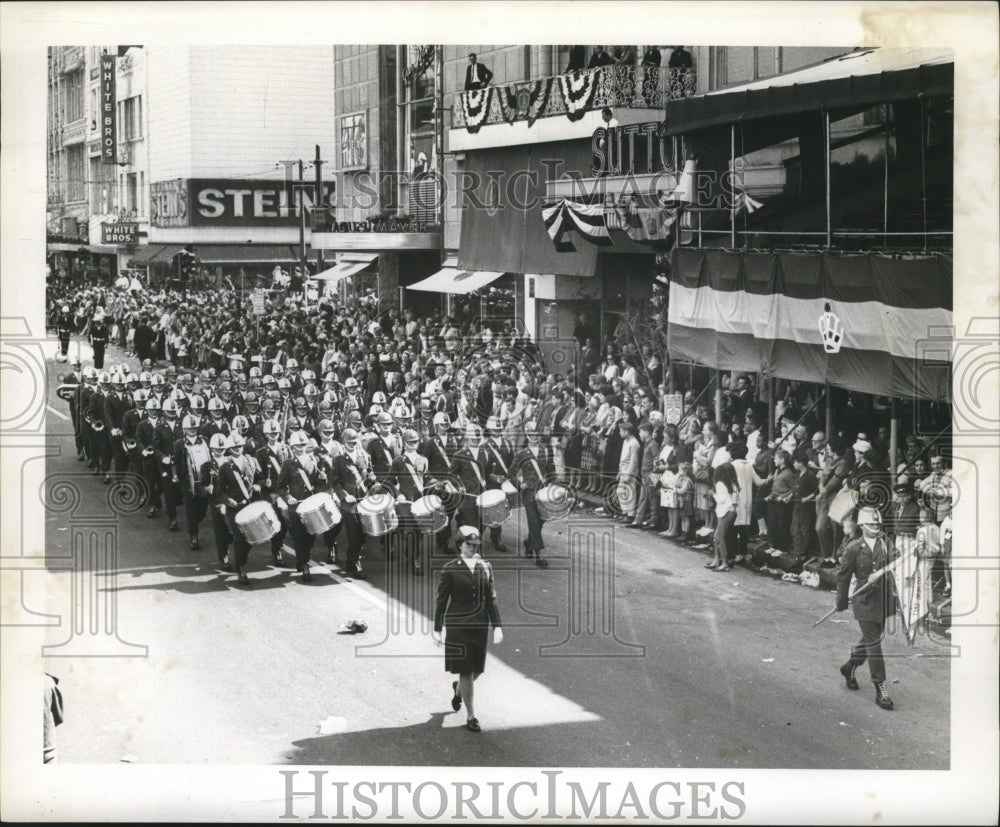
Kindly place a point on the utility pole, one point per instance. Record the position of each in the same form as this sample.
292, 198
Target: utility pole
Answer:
302, 230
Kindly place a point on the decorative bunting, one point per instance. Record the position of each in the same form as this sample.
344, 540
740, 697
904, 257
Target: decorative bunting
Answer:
475, 106
577, 90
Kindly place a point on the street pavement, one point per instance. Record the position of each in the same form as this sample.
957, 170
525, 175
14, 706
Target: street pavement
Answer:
625, 652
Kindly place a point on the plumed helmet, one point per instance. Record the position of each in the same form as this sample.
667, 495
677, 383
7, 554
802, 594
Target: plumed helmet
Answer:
218, 442
152, 404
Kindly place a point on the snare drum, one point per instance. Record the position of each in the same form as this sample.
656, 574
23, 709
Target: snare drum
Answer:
429, 514
554, 502
377, 513
257, 522
493, 507
319, 513
513, 495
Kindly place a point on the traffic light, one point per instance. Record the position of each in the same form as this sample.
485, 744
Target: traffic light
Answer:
187, 265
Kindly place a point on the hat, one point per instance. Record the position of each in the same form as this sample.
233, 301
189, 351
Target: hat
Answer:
903, 486
862, 446
468, 534
869, 516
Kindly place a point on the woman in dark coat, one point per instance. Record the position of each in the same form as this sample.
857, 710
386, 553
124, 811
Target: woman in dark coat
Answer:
467, 605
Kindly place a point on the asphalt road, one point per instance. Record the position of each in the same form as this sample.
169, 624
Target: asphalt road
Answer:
625, 652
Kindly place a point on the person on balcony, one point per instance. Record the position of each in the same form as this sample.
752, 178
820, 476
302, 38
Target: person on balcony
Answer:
477, 76
600, 58
680, 58
577, 59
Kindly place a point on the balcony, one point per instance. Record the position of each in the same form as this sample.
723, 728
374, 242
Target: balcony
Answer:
571, 95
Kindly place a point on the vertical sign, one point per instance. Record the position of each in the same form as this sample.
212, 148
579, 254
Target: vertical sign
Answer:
109, 115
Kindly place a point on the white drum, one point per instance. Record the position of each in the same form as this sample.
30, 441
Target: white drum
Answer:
554, 502
257, 522
513, 495
319, 513
842, 504
429, 514
494, 510
377, 513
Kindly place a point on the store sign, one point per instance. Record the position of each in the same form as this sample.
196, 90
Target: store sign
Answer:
168, 203
240, 202
634, 149
109, 111
120, 232
391, 225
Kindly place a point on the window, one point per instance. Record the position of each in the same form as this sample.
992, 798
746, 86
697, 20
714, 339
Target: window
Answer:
141, 207
74, 96
418, 191
75, 173
130, 113
94, 114
132, 193
354, 141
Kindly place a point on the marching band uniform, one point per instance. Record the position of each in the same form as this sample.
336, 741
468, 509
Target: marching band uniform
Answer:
861, 558
165, 438
239, 484
349, 480
208, 475
300, 478
115, 407
496, 456
407, 475
270, 459
102, 445
471, 473
532, 468
76, 378
195, 503
130, 424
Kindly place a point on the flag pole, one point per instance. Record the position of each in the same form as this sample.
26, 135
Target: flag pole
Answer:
872, 580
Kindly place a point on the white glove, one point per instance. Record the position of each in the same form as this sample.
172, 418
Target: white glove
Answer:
436, 637
497, 635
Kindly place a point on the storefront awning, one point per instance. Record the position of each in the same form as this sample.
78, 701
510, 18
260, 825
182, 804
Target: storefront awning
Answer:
245, 254
103, 249
451, 279
345, 268
152, 253
853, 82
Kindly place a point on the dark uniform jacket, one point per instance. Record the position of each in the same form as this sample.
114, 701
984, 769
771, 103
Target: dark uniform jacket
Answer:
402, 473
496, 459
295, 481
438, 451
464, 466
466, 599
348, 478
382, 457
528, 469
229, 482
874, 603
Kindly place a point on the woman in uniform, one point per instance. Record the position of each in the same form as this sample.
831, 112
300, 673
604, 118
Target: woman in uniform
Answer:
467, 606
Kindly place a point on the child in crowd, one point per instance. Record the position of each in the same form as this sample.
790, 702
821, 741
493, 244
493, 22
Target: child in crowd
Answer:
684, 497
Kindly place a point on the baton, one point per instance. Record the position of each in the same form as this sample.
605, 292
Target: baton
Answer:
877, 574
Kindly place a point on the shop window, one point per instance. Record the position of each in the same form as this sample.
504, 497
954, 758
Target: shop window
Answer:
354, 141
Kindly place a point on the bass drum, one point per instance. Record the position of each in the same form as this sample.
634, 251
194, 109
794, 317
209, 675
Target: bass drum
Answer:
318, 513
377, 513
554, 502
257, 522
494, 510
513, 495
429, 514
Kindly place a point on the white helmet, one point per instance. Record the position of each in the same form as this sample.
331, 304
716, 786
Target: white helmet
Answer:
191, 421
271, 427
869, 516
298, 439
218, 442
152, 404
235, 440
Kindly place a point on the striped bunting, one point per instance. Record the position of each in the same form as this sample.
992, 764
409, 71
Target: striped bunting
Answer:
587, 219
862, 322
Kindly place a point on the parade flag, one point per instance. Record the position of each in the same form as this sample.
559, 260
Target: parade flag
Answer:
871, 323
911, 575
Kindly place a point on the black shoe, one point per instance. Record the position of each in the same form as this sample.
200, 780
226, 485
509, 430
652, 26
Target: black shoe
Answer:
848, 670
501, 548
276, 556
243, 580
224, 565
473, 725
540, 561
195, 545
881, 699
331, 557
173, 526
306, 574
151, 513
456, 699
359, 572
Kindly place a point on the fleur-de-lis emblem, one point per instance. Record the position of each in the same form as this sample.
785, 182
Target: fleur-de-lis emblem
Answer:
831, 329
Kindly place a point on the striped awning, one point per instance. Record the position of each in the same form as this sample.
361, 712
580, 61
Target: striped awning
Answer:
345, 268
450, 279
